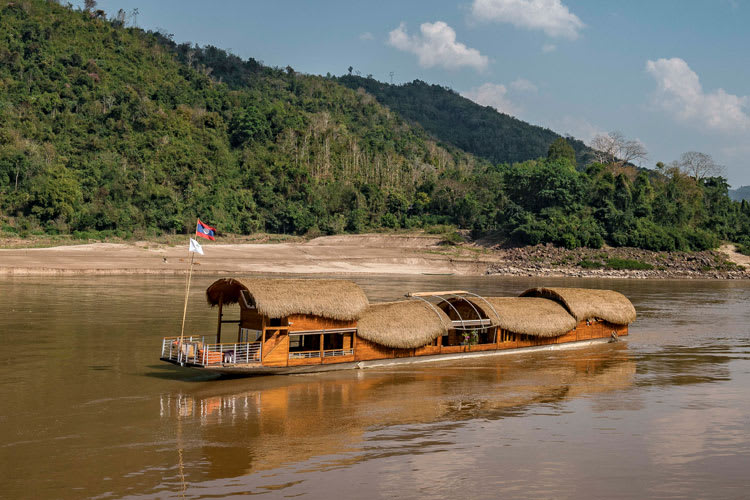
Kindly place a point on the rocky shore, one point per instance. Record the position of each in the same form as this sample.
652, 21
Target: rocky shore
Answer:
548, 260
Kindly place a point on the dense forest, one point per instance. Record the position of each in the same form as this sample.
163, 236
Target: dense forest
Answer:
107, 128
456, 120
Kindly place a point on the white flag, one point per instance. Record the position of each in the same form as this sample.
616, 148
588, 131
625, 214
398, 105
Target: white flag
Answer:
195, 246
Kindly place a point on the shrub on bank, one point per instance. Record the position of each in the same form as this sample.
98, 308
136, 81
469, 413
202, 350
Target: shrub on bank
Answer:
628, 264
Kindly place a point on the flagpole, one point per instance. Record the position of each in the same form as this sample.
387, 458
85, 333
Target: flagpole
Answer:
187, 294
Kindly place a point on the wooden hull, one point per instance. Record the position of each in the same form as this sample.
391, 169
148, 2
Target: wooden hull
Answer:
258, 369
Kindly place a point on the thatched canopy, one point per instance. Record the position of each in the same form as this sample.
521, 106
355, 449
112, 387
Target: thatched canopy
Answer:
586, 303
527, 315
278, 298
406, 324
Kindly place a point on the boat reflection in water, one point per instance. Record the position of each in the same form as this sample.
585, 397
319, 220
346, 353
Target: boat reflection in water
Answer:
243, 426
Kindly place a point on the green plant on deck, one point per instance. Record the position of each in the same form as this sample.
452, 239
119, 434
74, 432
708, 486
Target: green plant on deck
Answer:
471, 338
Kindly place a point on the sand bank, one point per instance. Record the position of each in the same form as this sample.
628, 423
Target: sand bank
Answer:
365, 254
350, 254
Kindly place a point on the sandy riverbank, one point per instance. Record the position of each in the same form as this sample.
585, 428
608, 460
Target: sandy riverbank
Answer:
360, 254
351, 254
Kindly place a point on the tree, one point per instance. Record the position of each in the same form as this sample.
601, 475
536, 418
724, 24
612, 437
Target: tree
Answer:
248, 124
560, 149
699, 165
614, 149
89, 5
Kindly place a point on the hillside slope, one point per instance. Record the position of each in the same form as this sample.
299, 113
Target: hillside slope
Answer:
741, 193
113, 129
458, 121
103, 127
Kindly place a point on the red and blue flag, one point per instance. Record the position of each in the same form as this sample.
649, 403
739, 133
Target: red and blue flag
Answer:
205, 231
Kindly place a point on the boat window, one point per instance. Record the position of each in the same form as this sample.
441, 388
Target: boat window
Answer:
507, 336
333, 341
486, 336
299, 343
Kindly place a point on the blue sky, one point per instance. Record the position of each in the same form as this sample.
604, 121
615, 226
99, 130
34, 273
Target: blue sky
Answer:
673, 74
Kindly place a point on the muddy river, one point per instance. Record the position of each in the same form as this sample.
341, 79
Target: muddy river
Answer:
87, 410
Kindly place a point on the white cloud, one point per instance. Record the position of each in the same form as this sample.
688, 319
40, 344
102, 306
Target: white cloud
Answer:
523, 85
437, 46
550, 16
680, 93
549, 47
366, 36
492, 94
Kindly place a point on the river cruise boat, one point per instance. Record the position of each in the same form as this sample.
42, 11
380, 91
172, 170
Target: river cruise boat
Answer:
307, 325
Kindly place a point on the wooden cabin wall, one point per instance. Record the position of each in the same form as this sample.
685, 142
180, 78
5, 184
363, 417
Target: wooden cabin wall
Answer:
571, 336
304, 322
427, 350
596, 329
366, 350
249, 318
276, 350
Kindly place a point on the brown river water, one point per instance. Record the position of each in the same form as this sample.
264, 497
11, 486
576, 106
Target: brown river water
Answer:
87, 410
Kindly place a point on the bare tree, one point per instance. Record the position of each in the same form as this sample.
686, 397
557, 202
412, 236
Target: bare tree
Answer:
120, 18
699, 165
89, 5
614, 149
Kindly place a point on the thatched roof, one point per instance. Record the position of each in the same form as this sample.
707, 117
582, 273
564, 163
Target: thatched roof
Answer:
405, 324
586, 303
277, 298
527, 315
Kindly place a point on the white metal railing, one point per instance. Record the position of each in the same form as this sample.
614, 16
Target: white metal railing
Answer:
231, 354
193, 350
188, 353
328, 353
472, 322
304, 354
337, 352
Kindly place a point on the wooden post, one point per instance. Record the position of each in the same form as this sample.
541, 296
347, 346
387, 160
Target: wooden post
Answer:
218, 326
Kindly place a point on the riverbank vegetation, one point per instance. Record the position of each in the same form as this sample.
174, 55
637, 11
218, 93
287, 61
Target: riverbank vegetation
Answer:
109, 130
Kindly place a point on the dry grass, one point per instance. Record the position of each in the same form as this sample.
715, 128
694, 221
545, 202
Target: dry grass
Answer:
584, 303
405, 324
533, 316
278, 298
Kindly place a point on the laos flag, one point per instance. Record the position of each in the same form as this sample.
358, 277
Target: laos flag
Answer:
205, 231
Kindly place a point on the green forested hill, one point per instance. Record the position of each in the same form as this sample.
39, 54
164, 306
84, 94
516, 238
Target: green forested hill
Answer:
102, 127
112, 129
456, 120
